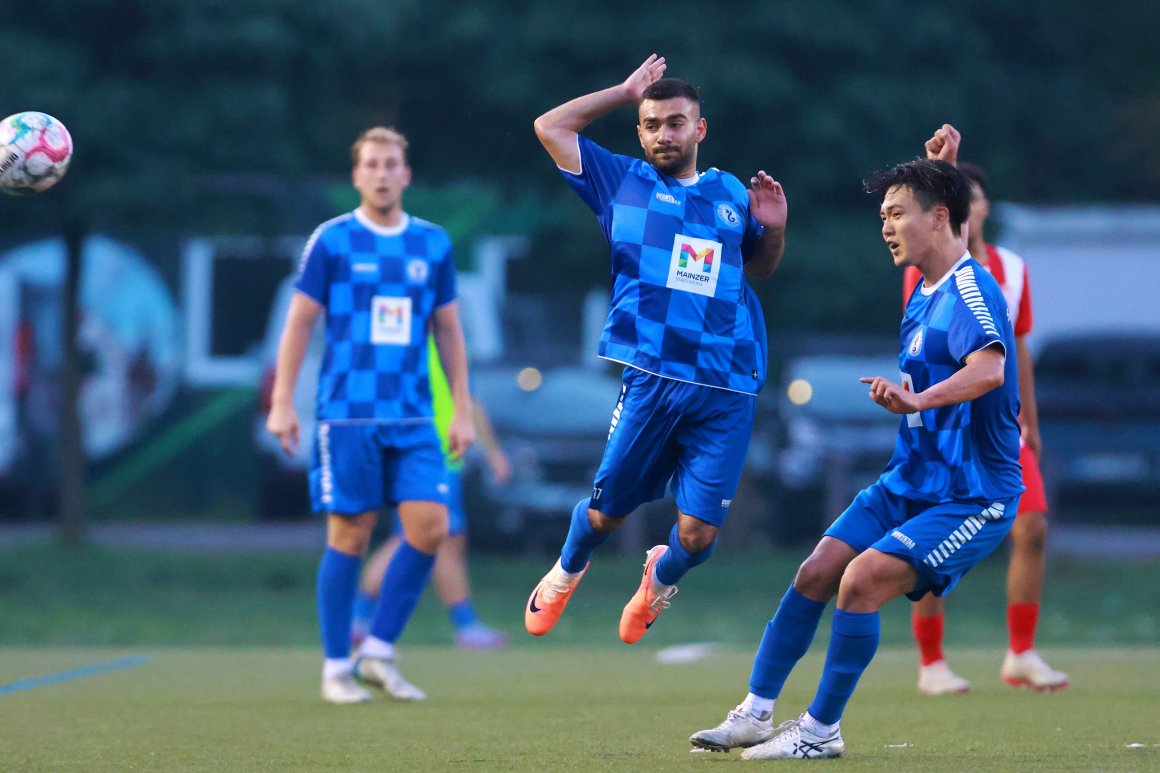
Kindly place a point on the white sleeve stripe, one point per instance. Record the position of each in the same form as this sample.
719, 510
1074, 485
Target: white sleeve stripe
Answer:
969, 292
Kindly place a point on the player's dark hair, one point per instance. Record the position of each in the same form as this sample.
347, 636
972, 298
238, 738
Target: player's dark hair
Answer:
668, 88
977, 176
933, 183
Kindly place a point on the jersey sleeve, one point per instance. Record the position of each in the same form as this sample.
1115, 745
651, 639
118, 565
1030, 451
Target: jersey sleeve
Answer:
445, 291
911, 276
601, 173
1023, 322
975, 325
753, 232
314, 270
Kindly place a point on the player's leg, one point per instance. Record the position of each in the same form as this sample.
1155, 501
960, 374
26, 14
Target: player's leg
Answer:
1023, 666
413, 469
344, 481
370, 583
935, 677
929, 552
451, 578
638, 460
786, 639
711, 440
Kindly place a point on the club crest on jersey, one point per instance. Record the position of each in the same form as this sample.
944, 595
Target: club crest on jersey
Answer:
728, 215
417, 271
695, 265
916, 344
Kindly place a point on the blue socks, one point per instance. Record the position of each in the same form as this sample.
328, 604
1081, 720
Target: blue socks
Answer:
853, 642
582, 540
336, 587
676, 561
787, 637
403, 584
462, 614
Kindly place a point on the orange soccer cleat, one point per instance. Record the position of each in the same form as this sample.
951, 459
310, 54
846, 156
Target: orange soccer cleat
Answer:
549, 599
650, 598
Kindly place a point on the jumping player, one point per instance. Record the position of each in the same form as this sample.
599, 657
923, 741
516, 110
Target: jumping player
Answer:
683, 322
948, 495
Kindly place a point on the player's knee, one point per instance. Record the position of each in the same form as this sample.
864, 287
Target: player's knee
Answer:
601, 523
1030, 533
696, 537
816, 579
871, 580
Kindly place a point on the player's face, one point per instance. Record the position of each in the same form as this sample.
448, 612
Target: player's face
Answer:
669, 131
910, 233
381, 175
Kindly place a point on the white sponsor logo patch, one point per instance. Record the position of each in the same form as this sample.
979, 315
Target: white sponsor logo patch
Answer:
364, 268
390, 320
667, 198
695, 265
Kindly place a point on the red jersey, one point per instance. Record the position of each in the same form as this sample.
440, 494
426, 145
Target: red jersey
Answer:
1009, 270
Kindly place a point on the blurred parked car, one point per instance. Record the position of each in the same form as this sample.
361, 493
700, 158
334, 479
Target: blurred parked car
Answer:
834, 439
1099, 417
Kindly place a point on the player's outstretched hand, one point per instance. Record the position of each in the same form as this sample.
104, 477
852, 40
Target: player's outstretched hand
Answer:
644, 76
283, 424
767, 201
944, 145
893, 397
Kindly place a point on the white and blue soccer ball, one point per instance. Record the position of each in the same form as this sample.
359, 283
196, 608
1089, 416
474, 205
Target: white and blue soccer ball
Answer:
35, 150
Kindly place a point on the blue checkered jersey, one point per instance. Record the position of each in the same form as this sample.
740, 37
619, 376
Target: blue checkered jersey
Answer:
968, 451
681, 307
380, 287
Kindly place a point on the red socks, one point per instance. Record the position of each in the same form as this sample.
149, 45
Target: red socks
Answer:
928, 632
1021, 622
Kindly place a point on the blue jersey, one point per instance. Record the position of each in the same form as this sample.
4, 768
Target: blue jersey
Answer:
681, 307
380, 287
968, 451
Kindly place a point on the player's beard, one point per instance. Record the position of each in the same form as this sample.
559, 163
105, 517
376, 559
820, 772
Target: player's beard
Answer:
671, 164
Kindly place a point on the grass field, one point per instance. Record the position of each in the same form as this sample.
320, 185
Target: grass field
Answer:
220, 672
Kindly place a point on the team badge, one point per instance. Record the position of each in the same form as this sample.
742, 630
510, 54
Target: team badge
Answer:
417, 271
916, 344
728, 215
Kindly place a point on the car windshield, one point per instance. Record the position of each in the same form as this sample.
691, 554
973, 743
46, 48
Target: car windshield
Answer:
827, 386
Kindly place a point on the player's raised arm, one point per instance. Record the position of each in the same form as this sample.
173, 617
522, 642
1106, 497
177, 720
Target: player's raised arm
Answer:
944, 145
768, 206
558, 128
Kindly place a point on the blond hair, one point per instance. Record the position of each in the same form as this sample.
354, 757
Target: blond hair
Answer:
380, 135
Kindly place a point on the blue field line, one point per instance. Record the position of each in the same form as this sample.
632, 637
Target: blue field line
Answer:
77, 673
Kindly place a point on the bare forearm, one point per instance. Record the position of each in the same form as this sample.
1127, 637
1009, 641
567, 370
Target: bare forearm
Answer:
453, 357
292, 348
982, 373
767, 252
557, 129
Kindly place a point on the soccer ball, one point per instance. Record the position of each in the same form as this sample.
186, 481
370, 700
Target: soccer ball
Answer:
35, 149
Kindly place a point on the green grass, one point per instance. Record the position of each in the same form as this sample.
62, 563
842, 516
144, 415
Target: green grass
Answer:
231, 681
539, 709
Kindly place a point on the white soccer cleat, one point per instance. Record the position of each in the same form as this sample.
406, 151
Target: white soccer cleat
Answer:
741, 729
938, 679
384, 673
795, 742
343, 689
1029, 670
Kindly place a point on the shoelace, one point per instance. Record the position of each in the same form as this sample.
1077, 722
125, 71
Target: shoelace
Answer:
662, 600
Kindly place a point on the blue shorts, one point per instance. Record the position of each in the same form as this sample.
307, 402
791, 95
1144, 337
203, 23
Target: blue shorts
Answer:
456, 515
662, 430
941, 541
362, 466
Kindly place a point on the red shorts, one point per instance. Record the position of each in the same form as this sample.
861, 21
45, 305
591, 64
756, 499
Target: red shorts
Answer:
1034, 499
